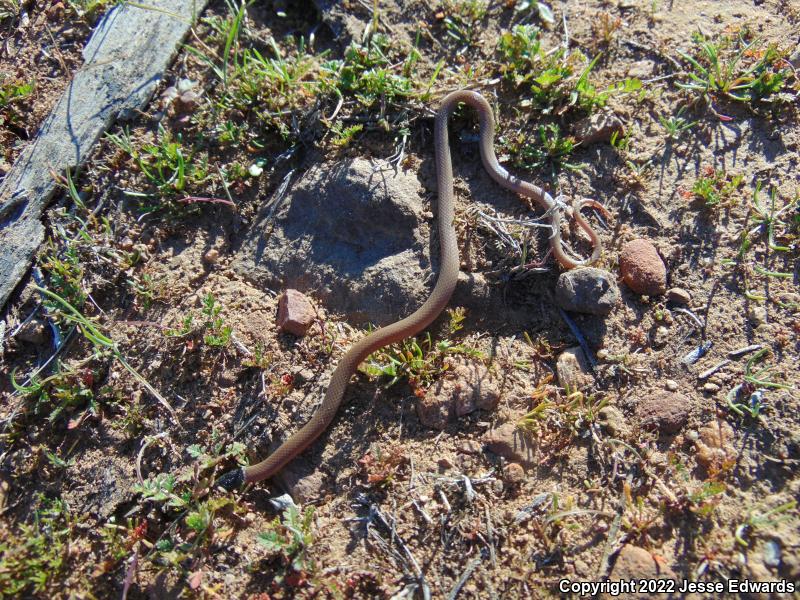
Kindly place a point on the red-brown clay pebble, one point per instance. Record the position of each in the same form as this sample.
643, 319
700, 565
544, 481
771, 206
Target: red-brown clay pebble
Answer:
642, 268
295, 313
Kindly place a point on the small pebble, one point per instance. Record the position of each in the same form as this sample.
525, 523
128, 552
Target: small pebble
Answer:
772, 554
757, 315
211, 257
711, 388
445, 463
678, 295
661, 336
513, 473
671, 385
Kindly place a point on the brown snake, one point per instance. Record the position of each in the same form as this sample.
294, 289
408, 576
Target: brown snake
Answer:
445, 284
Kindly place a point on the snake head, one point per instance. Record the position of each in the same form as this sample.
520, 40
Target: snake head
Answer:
230, 481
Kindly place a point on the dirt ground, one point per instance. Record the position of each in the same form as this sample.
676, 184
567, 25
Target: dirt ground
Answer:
106, 493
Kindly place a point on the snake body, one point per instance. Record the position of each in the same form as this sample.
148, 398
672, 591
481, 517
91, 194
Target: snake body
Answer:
445, 284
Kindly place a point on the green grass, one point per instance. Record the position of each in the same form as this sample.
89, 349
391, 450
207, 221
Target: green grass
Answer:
461, 20
738, 68
291, 538
35, 557
552, 150
717, 188
418, 360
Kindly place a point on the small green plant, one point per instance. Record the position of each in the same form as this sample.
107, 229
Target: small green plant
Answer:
461, 19
343, 136
67, 389
35, 558
552, 149
366, 73
217, 334
10, 8
291, 538
13, 92
676, 125
768, 519
733, 68
419, 361
587, 97
704, 501
717, 188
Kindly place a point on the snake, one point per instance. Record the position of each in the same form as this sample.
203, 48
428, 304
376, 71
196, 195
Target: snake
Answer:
445, 283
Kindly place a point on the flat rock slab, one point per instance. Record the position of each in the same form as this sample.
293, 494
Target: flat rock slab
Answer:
352, 235
125, 59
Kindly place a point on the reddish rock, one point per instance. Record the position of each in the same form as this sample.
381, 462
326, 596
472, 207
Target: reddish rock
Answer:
295, 313
510, 443
513, 473
664, 411
642, 268
466, 388
634, 563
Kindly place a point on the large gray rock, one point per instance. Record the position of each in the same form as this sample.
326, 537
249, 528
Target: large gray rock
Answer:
587, 290
124, 61
352, 235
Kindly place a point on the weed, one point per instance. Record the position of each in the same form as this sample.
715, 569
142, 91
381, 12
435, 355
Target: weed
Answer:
291, 538
605, 28
732, 68
587, 97
344, 135
217, 334
418, 361
717, 188
676, 125
366, 73
12, 93
768, 519
10, 9
380, 466
67, 389
705, 500
35, 559
551, 150
461, 19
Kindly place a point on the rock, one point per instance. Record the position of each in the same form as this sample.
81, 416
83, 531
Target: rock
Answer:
664, 411
642, 268
510, 443
295, 313
794, 59
466, 388
660, 336
124, 61
434, 410
33, 332
56, 11
513, 473
573, 370
678, 295
634, 563
641, 69
598, 128
757, 315
4, 167
713, 446
305, 489
613, 421
711, 388
354, 232
671, 385
587, 290
772, 554
211, 257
